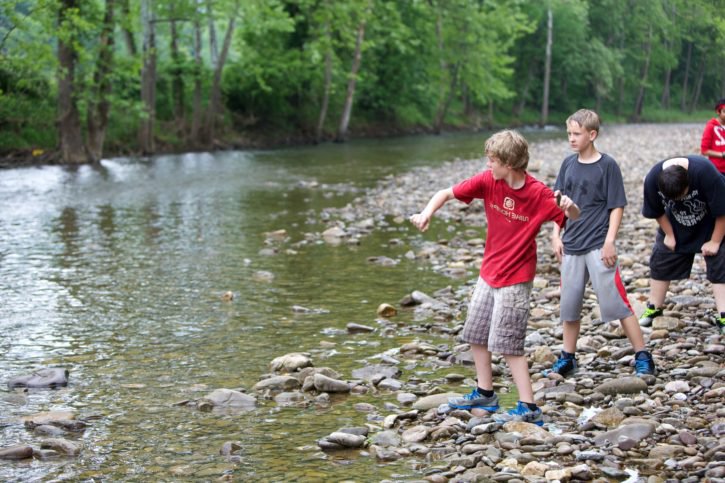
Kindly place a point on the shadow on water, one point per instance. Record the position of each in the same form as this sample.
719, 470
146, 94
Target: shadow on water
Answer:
116, 272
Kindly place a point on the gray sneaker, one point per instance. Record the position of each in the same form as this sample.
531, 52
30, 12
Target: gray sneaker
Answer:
475, 400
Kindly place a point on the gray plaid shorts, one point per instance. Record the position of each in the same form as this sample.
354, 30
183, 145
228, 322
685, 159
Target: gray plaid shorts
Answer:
497, 317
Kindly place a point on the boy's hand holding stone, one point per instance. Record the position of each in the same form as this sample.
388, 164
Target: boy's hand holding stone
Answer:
420, 221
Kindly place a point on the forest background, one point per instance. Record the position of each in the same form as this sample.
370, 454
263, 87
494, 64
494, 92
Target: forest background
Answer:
85, 79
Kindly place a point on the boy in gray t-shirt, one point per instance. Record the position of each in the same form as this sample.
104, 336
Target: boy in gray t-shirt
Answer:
587, 250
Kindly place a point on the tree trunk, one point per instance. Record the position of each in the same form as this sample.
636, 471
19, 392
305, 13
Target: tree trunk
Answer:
638, 105
519, 108
442, 98
128, 37
215, 95
446, 102
665, 101
99, 104
213, 48
683, 99
347, 109
698, 86
177, 82
197, 114
325, 96
148, 79
547, 66
70, 137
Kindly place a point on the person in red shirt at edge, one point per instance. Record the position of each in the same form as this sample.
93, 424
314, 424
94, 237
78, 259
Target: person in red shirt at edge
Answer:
713, 138
516, 205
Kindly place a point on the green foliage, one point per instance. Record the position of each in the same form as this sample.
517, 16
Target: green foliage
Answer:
479, 59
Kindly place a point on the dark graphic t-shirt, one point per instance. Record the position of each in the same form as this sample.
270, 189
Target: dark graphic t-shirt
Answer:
693, 217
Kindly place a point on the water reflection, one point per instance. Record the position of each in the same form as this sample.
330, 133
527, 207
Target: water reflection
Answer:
116, 272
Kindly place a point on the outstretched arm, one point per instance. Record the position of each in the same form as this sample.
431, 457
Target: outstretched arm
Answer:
422, 219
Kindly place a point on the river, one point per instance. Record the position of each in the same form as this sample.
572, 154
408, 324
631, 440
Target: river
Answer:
117, 273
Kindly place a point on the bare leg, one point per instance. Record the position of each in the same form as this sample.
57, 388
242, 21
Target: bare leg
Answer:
658, 291
520, 372
571, 334
633, 331
482, 360
718, 289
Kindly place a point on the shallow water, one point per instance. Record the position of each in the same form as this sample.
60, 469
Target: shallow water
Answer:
117, 271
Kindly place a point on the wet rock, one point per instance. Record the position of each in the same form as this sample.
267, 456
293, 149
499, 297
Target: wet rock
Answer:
373, 371
326, 384
353, 328
229, 448
48, 430
277, 383
55, 418
43, 378
386, 438
62, 446
291, 362
290, 399
227, 398
18, 452
387, 311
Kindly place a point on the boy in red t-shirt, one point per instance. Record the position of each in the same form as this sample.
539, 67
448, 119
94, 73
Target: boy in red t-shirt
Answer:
713, 138
516, 206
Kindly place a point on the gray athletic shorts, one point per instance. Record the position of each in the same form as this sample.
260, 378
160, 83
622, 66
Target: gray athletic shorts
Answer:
576, 271
497, 317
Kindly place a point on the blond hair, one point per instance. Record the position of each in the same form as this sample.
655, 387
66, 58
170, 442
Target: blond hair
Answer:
586, 118
510, 148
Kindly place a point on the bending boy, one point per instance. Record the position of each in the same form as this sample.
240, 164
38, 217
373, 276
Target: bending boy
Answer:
687, 198
516, 205
587, 250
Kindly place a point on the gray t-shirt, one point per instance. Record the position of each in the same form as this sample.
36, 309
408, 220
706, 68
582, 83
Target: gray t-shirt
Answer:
597, 188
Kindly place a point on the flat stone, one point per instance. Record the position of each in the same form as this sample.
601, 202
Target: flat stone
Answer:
42, 378
18, 452
622, 385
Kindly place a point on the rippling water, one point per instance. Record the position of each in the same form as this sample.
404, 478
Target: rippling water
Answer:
116, 272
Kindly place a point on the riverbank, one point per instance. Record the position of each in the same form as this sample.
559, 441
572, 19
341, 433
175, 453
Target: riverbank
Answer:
602, 423
263, 139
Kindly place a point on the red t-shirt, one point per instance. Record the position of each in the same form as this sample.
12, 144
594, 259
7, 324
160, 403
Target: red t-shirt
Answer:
514, 218
713, 137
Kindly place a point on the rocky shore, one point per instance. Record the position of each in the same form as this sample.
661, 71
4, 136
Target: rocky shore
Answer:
603, 423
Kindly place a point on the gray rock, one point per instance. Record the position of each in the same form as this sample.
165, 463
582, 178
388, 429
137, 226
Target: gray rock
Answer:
635, 432
42, 378
327, 384
623, 385
18, 452
277, 383
347, 440
228, 398
291, 362
62, 446
376, 370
